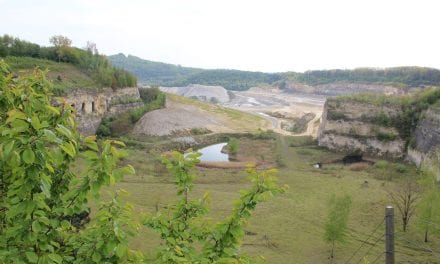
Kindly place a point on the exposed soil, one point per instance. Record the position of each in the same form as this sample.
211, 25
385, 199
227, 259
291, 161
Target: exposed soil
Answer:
280, 107
177, 117
182, 117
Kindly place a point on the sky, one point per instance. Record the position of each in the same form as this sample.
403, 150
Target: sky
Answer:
270, 36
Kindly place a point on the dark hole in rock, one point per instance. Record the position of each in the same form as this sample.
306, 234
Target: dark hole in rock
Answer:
352, 158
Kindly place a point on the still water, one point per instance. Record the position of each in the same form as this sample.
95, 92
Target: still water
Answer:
213, 153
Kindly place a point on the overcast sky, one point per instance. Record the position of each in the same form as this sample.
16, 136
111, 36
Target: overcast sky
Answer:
271, 35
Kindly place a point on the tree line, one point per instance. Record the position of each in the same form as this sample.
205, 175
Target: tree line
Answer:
164, 74
87, 59
397, 76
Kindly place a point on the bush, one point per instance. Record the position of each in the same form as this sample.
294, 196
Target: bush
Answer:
149, 94
381, 164
233, 146
384, 136
264, 134
200, 131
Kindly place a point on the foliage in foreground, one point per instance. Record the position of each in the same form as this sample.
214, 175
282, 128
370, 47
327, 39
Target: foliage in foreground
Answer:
40, 196
183, 229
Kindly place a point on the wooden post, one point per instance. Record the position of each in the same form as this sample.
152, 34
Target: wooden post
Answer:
389, 235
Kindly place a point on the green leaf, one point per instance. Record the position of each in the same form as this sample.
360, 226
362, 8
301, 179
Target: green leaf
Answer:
53, 109
120, 143
69, 149
96, 257
64, 130
45, 184
121, 250
31, 256
28, 156
35, 122
15, 114
36, 227
55, 257
50, 136
8, 147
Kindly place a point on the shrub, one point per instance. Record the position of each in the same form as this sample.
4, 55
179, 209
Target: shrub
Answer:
233, 146
381, 164
384, 136
264, 134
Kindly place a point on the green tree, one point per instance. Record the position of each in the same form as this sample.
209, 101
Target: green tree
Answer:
429, 204
183, 228
61, 44
233, 146
40, 194
336, 223
405, 195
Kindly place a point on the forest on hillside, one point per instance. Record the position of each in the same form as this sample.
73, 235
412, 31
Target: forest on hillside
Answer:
88, 60
158, 73
164, 74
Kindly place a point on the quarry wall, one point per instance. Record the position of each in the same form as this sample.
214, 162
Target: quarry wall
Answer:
92, 106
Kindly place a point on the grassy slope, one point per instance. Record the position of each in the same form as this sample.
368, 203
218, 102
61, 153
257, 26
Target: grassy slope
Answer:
289, 228
71, 76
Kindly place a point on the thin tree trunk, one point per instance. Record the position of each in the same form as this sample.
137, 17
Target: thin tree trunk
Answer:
333, 248
426, 235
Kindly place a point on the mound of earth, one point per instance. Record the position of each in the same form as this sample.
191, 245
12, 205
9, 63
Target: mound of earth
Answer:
213, 94
181, 116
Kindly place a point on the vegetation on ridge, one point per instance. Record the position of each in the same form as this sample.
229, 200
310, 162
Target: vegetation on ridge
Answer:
24, 55
164, 74
410, 106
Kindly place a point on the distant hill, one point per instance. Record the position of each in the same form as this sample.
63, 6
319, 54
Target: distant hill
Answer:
163, 74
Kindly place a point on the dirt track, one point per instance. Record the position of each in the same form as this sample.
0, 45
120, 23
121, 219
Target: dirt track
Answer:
263, 101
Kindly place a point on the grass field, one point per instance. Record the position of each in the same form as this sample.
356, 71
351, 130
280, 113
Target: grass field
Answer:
289, 228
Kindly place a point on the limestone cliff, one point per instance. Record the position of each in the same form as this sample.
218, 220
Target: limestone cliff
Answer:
92, 106
353, 127
427, 136
370, 128
341, 88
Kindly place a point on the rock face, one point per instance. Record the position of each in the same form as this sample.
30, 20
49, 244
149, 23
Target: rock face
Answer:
213, 94
92, 106
427, 136
352, 127
341, 88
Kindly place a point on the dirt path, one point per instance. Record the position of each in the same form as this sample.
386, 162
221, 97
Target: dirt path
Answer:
263, 101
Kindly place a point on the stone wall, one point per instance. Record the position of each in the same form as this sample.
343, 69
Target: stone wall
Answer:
351, 127
92, 106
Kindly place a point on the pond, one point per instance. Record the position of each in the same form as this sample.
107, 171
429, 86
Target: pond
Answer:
213, 153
